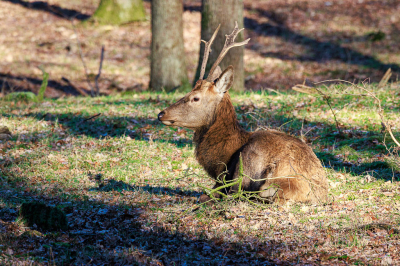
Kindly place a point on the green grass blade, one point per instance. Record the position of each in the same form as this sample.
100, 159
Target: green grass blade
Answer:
43, 87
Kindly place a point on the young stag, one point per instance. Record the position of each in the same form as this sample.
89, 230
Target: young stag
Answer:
279, 166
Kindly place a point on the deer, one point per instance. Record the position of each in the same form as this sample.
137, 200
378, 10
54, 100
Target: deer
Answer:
276, 166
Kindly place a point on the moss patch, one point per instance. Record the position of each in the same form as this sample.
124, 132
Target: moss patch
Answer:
117, 12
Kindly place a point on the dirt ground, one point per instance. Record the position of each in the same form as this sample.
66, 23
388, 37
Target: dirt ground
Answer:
291, 40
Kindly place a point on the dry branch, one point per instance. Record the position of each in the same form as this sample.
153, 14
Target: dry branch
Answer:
82, 58
304, 89
309, 90
385, 78
368, 93
99, 73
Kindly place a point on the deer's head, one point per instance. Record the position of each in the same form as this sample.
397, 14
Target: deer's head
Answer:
197, 108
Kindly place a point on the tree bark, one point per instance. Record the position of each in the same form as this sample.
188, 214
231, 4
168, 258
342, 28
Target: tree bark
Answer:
168, 67
224, 12
118, 12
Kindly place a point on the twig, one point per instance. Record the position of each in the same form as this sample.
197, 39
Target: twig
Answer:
84, 120
277, 92
82, 58
387, 125
98, 75
326, 98
385, 78
309, 90
380, 110
81, 91
304, 89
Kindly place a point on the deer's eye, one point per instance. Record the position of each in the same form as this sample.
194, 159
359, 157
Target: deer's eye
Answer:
196, 99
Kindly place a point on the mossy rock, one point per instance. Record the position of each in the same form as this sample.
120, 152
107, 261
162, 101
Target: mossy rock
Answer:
45, 217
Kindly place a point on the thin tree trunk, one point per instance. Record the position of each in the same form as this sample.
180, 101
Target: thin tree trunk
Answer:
224, 12
119, 11
168, 67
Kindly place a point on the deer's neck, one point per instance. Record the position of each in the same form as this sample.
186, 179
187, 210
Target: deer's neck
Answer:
216, 143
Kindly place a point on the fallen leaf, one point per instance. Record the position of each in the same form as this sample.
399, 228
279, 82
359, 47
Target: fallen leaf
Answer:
9, 251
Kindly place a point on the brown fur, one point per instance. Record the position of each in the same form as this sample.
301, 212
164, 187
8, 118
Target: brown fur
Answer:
217, 142
280, 166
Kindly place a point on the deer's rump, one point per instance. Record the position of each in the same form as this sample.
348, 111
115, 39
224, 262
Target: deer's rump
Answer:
281, 167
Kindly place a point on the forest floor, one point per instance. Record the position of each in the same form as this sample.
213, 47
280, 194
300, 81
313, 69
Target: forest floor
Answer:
129, 185
290, 42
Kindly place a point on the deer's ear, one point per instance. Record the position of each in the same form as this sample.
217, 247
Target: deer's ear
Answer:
224, 81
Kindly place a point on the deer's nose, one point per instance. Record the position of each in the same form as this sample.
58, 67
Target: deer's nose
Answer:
160, 115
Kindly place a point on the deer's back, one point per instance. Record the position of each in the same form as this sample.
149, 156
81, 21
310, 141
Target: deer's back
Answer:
275, 147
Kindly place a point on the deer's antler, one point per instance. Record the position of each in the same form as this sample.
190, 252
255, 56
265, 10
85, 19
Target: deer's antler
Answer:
229, 43
207, 50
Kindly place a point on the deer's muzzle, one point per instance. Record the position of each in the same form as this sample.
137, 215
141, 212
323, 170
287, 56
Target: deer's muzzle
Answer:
165, 122
160, 115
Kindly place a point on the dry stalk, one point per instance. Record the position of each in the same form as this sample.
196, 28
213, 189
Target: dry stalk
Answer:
82, 58
304, 89
385, 78
309, 90
84, 64
368, 93
99, 73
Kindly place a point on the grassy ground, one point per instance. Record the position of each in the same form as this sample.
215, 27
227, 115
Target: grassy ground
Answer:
129, 185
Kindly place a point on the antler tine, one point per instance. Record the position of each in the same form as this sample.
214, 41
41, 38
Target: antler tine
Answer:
229, 43
207, 50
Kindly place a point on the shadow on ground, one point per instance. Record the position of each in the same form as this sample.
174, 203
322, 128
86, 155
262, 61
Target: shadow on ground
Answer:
10, 83
113, 234
318, 51
379, 169
110, 184
56, 10
97, 127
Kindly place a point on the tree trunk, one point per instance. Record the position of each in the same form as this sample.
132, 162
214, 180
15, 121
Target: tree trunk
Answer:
117, 12
224, 12
168, 67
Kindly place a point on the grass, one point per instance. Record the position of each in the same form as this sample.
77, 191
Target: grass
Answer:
129, 185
